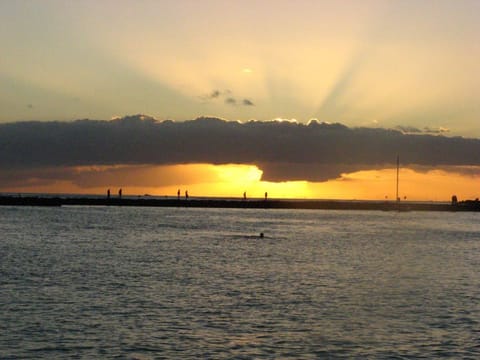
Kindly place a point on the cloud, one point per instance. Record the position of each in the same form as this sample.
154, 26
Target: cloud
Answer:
440, 130
215, 94
408, 129
227, 97
426, 130
283, 150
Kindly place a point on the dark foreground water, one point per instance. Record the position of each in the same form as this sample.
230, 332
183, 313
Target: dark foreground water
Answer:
148, 283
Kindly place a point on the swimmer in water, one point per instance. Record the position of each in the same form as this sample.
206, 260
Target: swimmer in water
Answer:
261, 235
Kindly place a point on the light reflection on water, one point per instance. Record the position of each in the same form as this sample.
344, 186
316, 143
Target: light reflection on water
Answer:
100, 282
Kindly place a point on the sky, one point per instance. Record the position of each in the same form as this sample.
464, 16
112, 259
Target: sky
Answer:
408, 68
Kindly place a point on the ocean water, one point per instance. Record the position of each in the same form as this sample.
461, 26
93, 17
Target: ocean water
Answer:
180, 283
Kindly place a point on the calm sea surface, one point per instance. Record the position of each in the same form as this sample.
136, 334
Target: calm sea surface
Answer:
153, 283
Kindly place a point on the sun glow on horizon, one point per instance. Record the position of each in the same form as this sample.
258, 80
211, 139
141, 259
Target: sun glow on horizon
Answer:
232, 180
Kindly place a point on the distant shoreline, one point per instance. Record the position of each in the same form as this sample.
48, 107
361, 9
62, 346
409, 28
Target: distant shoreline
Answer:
31, 200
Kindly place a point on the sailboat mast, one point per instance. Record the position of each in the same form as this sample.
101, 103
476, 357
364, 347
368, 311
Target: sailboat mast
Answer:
398, 167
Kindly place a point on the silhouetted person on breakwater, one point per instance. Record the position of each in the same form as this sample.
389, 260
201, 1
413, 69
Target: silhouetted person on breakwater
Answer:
108, 194
266, 196
120, 193
178, 194
454, 200
186, 194
244, 195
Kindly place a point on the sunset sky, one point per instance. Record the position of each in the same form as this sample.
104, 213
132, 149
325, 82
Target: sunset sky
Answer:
407, 68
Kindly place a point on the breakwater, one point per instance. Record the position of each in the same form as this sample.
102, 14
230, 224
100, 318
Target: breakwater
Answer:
234, 203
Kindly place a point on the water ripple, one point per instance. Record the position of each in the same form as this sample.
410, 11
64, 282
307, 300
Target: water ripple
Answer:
135, 283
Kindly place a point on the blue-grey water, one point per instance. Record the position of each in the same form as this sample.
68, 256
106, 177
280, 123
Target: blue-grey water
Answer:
154, 283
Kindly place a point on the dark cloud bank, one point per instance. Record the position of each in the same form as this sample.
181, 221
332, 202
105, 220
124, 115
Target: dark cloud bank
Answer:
283, 150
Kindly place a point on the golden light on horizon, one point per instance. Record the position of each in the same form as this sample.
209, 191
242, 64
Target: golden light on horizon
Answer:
428, 185
232, 180
234, 173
